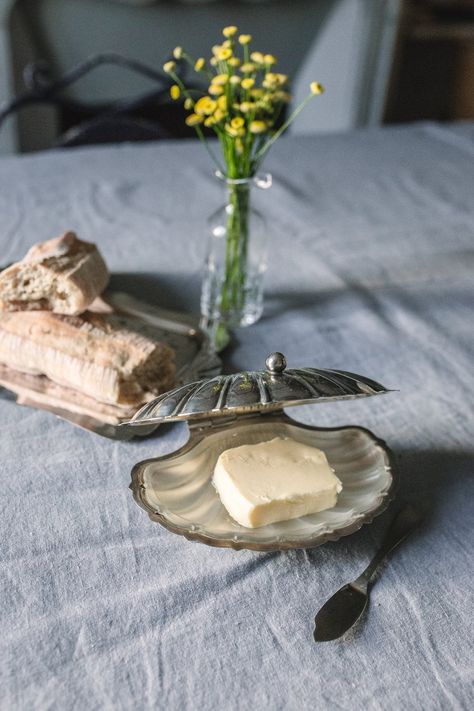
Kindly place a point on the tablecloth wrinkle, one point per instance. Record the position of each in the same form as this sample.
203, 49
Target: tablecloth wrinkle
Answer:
371, 270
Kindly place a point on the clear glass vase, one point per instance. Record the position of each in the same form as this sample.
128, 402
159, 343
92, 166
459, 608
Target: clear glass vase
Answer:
236, 260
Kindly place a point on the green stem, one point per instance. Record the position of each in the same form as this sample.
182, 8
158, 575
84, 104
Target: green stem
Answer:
233, 287
204, 140
282, 128
197, 128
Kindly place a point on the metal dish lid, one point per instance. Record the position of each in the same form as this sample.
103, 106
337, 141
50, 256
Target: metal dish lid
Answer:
246, 392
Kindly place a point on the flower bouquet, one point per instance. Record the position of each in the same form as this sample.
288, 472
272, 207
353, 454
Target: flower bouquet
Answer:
243, 106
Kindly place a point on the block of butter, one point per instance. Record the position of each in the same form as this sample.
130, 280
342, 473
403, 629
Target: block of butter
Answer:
274, 481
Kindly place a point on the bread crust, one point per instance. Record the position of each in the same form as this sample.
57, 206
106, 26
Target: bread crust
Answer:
111, 358
39, 391
64, 275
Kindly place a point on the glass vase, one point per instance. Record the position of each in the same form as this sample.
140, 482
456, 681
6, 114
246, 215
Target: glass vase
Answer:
236, 260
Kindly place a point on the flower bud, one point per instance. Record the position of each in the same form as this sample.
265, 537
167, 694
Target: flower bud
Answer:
215, 90
270, 60
257, 127
316, 88
175, 92
247, 83
229, 31
199, 64
193, 120
220, 79
223, 53
257, 57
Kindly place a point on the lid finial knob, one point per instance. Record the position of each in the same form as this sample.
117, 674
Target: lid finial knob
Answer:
276, 363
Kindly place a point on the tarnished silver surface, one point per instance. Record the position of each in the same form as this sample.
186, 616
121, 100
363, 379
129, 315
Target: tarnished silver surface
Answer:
176, 490
240, 393
195, 358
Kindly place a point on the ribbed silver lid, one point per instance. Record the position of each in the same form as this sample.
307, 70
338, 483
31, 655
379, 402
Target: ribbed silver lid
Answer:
241, 393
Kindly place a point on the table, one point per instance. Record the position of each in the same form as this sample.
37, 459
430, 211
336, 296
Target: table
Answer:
371, 270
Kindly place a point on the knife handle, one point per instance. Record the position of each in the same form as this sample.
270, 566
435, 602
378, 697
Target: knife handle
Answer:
405, 522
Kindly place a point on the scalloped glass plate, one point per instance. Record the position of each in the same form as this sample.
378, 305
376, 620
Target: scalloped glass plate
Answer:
177, 492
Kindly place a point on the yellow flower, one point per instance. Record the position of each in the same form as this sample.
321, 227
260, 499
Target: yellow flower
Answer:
257, 57
175, 92
193, 120
169, 67
222, 103
220, 79
234, 132
270, 60
199, 64
247, 106
229, 31
213, 61
205, 106
273, 80
245, 39
257, 93
227, 43
258, 127
215, 90
234, 79
237, 122
223, 53
209, 121
316, 87
248, 68
234, 62
219, 114
248, 83
177, 52
188, 103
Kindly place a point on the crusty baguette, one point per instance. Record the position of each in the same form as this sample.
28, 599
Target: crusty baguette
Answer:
63, 275
109, 357
40, 391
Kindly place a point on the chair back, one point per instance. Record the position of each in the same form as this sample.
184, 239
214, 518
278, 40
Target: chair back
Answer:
147, 116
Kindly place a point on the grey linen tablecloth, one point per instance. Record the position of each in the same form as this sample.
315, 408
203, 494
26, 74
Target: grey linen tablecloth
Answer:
371, 270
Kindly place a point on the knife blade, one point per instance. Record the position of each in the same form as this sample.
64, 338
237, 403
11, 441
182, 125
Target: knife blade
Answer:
346, 606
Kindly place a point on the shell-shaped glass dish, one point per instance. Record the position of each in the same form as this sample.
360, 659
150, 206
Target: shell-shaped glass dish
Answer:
176, 490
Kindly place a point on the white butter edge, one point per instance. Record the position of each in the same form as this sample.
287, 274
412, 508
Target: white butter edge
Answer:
273, 481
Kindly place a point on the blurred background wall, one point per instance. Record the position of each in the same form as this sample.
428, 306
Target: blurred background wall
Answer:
337, 42
381, 60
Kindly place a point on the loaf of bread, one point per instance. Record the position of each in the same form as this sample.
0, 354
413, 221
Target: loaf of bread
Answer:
40, 391
111, 358
63, 275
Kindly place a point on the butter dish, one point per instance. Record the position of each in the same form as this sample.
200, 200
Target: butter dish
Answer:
247, 408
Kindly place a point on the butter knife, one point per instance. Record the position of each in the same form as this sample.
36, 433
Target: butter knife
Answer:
346, 606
